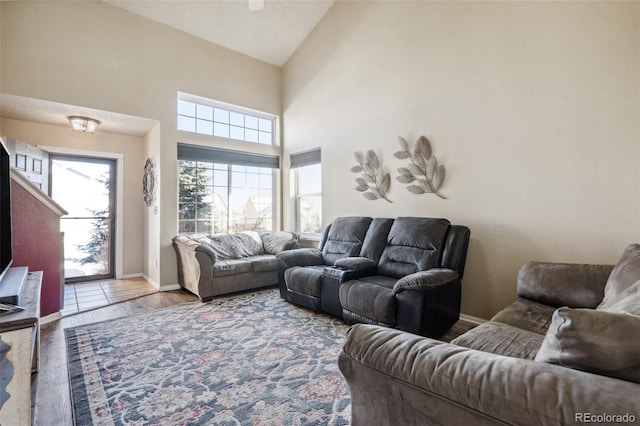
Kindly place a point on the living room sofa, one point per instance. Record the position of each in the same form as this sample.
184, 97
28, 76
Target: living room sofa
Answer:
301, 271
404, 272
211, 265
566, 352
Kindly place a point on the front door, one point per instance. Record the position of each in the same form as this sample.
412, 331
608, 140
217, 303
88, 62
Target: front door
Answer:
85, 187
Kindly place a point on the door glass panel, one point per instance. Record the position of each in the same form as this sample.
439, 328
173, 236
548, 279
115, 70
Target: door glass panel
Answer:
84, 187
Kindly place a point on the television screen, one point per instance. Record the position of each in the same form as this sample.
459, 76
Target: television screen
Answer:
5, 210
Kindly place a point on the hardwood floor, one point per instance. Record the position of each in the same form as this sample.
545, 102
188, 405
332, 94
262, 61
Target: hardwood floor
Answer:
53, 398
52, 394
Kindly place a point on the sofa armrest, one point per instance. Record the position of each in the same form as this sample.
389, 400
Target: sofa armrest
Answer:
425, 279
401, 378
186, 246
195, 265
342, 275
300, 257
563, 284
356, 263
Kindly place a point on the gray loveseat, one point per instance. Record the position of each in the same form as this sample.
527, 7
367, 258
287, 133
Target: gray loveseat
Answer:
404, 273
566, 352
210, 265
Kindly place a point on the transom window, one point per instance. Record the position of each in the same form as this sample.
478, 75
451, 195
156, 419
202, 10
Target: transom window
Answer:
224, 121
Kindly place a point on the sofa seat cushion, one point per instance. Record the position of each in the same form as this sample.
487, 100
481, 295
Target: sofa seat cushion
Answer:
263, 263
372, 298
527, 315
224, 268
501, 339
305, 280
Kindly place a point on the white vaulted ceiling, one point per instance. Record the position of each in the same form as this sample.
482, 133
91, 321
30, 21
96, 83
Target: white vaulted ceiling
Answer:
271, 34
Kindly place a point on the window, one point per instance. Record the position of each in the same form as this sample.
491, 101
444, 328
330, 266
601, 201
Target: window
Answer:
212, 118
224, 191
308, 184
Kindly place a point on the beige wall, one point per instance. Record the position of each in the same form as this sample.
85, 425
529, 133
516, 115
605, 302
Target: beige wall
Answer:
152, 142
533, 108
132, 150
96, 55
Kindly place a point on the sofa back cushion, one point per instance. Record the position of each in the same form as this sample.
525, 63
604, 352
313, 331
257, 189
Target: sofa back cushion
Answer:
234, 246
345, 238
624, 275
413, 244
376, 239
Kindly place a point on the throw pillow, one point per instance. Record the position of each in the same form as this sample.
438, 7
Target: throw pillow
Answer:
275, 242
628, 301
600, 342
238, 245
624, 274
221, 252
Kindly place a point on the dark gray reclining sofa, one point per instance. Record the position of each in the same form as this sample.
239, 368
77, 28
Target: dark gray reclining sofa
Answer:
403, 273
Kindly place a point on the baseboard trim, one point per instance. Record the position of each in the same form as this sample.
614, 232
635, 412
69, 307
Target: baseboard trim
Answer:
50, 318
150, 281
169, 287
472, 319
129, 276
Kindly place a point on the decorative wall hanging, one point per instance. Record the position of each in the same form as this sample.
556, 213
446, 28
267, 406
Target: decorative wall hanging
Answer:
374, 183
149, 182
423, 169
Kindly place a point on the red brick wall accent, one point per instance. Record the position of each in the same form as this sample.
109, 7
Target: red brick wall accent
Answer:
37, 243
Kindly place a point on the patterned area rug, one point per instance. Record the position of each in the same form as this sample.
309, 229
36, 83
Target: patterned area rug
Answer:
246, 359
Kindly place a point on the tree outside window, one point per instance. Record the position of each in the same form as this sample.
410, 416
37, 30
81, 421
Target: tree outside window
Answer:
218, 198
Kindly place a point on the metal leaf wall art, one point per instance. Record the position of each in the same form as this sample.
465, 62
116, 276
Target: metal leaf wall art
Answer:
374, 183
423, 172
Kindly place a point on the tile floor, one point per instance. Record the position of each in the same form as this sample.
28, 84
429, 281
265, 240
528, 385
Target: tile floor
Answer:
79, 297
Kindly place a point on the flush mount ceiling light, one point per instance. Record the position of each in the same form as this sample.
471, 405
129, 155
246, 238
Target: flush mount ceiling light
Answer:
83, 124
255, 5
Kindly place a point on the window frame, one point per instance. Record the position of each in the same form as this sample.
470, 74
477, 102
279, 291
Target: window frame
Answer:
299, 161
229, 199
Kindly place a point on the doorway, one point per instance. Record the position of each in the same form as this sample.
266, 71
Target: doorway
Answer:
86, 188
